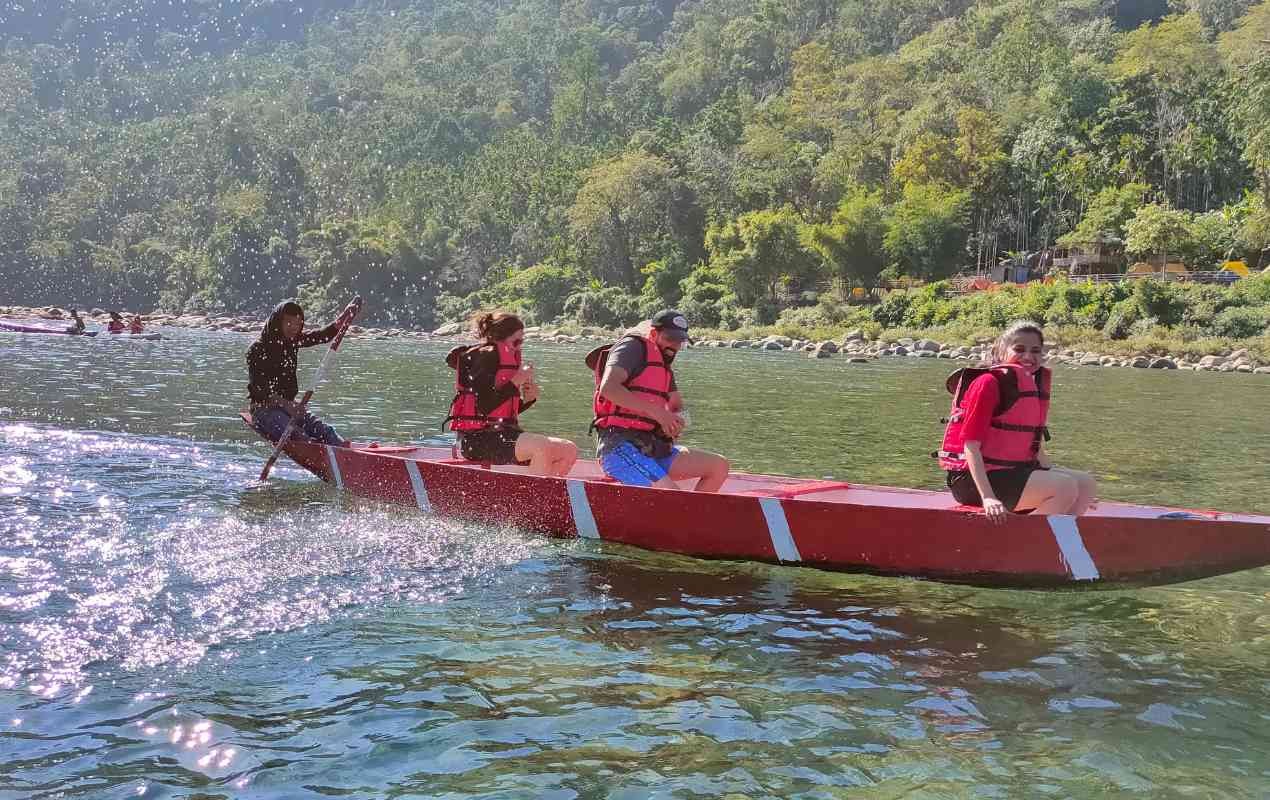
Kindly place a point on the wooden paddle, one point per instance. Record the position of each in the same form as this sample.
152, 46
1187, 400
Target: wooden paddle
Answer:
345, 319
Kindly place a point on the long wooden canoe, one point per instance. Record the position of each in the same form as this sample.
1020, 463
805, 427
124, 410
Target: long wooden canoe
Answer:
830, 525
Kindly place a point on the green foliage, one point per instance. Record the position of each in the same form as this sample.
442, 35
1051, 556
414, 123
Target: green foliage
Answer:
760, 252
609, 307
1241, 322
851, 245
926, 230
1157, 230
1106, 215
523, 154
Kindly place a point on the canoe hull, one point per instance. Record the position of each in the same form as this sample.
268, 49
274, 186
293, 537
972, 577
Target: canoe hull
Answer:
13, 327
887, 531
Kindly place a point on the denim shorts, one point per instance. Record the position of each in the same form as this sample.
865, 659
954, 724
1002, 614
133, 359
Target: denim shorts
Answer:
626, 464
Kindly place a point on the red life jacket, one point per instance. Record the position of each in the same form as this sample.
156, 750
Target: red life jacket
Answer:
464, 415
115, 326
654, 378
135, 325
1018, 421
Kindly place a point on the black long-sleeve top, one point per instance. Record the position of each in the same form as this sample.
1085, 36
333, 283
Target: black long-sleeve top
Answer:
271, 364
482, 366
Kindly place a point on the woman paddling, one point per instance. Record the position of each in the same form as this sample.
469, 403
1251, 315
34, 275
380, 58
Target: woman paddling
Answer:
493, 385
116, 324
994, 446
271, 369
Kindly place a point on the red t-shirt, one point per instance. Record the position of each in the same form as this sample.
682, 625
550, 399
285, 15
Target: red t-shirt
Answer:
980, 403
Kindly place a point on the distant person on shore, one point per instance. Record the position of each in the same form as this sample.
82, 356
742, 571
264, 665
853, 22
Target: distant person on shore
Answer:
994, 445
493, 385
77, 322
134, 324
272, 384
638, 410
116, 324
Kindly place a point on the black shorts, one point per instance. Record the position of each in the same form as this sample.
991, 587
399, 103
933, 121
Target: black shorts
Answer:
495, 447
1008, 484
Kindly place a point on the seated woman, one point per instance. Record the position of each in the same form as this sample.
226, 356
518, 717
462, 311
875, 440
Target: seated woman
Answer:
116, 324
77, 322
493, 385
994, 448
134, 324
272, 384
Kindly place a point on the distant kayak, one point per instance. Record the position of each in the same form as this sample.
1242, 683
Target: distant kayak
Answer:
148, 337
14, 327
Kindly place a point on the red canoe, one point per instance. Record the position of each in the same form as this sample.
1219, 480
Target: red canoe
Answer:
825, 524
14, 327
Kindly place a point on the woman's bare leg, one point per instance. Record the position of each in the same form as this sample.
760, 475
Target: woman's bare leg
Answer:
1087, 489
546, 455
1049, 492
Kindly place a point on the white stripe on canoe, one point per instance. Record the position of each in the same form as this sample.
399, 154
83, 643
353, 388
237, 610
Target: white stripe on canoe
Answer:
778, 528
421, 491
1072, 546
583, 519
335, 467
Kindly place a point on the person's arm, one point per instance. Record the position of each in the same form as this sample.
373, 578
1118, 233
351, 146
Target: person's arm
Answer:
1043, 458
613, 390
319, 336
993, 508
980, 405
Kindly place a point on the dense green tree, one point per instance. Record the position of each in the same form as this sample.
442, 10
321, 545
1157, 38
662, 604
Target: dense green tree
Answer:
759, 252
852, 244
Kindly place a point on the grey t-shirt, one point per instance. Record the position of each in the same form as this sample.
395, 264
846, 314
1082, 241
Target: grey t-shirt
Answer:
629, 355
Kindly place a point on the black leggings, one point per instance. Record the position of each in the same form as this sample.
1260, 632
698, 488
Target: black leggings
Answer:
1008, 484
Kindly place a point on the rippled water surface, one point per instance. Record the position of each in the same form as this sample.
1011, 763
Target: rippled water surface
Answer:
168, 629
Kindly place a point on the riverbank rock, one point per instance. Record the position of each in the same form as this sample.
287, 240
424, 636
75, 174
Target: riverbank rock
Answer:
898, 350
853, 336
821, 352
1141, 362
1262, 370
858, 360
1212, 361
830, 347
739, 344
449, 329
771, 344
1091, 361
928, 346
1163, 363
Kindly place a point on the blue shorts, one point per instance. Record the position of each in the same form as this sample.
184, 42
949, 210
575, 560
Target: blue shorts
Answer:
626, 464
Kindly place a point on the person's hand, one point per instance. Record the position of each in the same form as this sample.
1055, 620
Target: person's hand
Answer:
529, 392
524, 375
671, 423
351, 310
995, 510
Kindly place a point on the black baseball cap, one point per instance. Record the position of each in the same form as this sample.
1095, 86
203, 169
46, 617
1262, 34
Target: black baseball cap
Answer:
672, 323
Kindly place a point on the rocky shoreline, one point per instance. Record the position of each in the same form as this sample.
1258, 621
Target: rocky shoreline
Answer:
855, 346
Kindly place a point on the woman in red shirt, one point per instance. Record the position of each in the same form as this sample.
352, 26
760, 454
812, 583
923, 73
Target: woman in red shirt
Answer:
995, 452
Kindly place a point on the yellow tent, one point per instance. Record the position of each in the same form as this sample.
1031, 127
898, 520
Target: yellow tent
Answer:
1237, 267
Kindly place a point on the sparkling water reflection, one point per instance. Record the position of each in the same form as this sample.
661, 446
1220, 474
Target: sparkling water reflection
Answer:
167, 631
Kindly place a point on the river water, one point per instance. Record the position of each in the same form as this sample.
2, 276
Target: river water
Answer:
167, 629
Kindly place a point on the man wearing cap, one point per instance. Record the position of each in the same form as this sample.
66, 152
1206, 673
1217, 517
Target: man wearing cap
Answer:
637, 407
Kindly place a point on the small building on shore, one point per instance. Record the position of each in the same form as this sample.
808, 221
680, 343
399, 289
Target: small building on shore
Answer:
1102, 256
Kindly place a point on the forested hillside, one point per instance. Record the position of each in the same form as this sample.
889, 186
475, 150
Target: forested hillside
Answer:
598, 158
